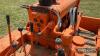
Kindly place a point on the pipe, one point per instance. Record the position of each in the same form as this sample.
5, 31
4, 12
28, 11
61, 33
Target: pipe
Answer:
48, 25
59, 24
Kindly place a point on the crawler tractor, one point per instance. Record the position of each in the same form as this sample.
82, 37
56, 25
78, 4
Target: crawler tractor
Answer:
54, 28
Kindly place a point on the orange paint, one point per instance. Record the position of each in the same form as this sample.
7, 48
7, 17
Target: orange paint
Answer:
45, 29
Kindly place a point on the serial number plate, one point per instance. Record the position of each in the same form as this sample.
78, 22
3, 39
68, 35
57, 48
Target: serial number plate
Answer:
86, 50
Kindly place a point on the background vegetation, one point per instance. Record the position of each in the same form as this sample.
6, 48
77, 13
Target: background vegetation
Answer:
19, 15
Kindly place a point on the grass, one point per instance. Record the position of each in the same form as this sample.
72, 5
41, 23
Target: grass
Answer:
19, 15
90, 7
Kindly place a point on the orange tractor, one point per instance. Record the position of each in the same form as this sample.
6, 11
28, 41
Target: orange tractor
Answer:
54, 28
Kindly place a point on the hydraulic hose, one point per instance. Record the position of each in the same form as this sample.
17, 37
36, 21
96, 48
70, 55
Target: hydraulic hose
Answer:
59, 21
73, 15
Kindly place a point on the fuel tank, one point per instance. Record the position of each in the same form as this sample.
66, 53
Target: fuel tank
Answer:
61, 6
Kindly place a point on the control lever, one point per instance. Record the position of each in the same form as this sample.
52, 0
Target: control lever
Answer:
22, 39
9, 31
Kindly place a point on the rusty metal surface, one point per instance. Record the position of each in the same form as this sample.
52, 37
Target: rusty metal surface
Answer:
43, 29
36, 51
5, 44
90, 23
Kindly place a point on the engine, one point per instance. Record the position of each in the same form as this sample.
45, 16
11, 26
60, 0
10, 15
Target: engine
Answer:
48, 19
